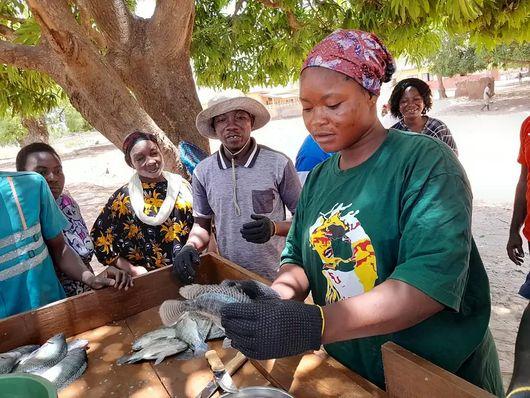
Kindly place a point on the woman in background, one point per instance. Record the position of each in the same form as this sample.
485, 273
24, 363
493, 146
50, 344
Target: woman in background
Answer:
410, 101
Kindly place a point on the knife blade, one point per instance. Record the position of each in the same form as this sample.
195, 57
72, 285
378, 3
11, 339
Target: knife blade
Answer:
231, 367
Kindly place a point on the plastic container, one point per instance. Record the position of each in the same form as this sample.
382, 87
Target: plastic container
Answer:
21, 385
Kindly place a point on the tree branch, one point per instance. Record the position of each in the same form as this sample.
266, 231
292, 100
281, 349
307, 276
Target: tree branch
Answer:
172, 23
112, 18
8, 33
26, 57
294, 24
86, 22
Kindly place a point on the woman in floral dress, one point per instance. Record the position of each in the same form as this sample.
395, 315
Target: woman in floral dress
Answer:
147, 219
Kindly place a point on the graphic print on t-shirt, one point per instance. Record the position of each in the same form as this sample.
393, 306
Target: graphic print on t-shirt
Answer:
346, 252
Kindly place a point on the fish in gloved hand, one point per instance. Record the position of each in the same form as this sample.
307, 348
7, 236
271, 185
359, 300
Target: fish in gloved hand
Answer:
206, 300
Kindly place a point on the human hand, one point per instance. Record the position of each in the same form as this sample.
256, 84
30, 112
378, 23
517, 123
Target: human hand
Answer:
258, 231
184, 263
273, 329
112, 276
515, 248
253, 289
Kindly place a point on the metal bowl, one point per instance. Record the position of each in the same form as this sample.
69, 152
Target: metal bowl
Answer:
258, 392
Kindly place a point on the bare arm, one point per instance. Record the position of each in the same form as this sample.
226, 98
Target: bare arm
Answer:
67, 260
389, 307
282, 227
200, 233
515, 243
291, 283
70, 263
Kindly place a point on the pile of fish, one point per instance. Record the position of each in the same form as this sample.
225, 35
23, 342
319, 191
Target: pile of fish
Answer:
56, 360
189, 324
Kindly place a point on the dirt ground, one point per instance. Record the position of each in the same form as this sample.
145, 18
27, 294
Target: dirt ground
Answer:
488, 143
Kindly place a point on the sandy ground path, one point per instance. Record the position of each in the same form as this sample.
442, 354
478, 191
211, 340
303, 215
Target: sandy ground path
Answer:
488, 143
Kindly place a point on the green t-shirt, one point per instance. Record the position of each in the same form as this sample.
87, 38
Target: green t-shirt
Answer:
404, 214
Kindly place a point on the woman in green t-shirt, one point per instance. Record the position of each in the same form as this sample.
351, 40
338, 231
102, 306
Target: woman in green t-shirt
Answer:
381, 238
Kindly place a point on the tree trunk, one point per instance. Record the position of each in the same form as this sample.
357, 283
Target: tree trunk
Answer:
441, 87
127, 74
37, 130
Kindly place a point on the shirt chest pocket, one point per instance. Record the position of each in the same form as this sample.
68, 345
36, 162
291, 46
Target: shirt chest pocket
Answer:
263, 201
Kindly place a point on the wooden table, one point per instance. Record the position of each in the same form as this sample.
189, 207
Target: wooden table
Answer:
111, 320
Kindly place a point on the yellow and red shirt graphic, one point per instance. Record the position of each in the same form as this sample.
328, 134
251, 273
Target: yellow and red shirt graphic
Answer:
346, 251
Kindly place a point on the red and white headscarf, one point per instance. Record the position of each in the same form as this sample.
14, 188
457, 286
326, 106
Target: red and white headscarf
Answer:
356, 54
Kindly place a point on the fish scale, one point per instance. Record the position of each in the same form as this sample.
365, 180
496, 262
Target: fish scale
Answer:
70, 368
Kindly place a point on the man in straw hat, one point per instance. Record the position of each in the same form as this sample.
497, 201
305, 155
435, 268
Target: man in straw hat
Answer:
244, 187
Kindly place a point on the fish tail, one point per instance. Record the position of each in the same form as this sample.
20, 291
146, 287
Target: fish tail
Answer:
126, 359
172, 310
159, 359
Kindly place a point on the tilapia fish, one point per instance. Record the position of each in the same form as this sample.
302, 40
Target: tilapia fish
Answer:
8, 361
70, 368
48, 355
206, 300
193, 332
23, 351
149, 338
159, 350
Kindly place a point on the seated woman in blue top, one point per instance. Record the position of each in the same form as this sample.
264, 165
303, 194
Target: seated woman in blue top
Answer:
31, 241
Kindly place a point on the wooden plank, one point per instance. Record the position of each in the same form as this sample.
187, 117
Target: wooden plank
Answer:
215, 269
103, 378
408, 375
87, 311
315, 375
188, 378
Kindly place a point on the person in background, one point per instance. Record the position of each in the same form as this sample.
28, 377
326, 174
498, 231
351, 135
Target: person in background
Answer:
520, 383
32, 241
410, 101
244, 187
146, 219
309, 155
381, 238
43, 159
487, 96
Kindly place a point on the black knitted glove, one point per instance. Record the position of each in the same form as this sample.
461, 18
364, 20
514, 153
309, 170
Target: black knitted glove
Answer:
253, 289
185, 261
258, 231
272, 329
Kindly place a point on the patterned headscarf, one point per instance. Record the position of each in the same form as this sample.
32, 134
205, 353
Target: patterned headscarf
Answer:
356, 54
130, 141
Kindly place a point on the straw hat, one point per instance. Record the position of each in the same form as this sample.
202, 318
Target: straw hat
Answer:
224, 105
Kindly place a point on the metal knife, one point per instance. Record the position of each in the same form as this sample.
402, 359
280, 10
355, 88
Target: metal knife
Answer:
231, 367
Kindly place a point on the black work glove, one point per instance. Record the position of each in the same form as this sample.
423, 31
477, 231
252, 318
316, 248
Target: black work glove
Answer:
253, 289
258, 231
272, 329
185, 261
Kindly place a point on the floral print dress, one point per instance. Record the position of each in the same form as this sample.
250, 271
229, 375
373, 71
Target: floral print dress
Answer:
117, 232
78, 238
